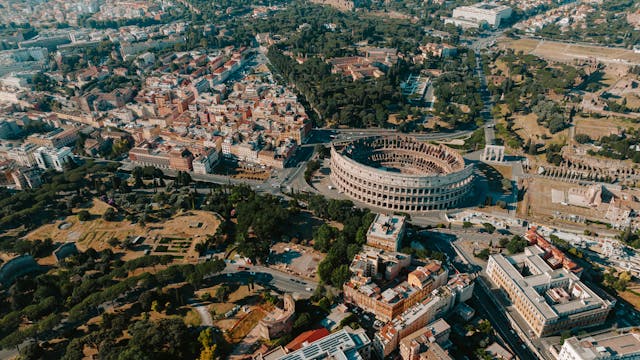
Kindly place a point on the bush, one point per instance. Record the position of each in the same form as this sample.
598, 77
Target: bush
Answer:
489, 227
84, 215
582, 138
109, 214
483, 254
516, 245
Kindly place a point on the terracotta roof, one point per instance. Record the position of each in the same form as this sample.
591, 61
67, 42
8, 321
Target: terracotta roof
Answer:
308, 337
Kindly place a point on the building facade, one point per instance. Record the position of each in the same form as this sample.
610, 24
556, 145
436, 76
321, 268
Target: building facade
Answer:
401, 173
344, 344
477, 14
608, 346
549, 300
279, 321
432, 337
386, 232
388, 303
388, 338
48, 158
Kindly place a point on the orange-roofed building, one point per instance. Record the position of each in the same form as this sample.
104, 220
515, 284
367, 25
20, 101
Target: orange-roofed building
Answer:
554, 257
306, 337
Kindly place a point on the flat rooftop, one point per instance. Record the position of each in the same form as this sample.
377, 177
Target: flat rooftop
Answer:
554, 293
386, 226
342, 345
606, 345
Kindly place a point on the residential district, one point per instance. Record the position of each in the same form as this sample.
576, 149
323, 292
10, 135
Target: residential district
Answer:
324, 179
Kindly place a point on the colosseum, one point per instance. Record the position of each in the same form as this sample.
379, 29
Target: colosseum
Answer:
401, 173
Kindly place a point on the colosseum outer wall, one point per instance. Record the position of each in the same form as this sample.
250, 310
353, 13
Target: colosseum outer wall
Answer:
396, 191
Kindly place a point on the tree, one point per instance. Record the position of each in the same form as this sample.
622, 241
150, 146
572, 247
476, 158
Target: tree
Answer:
222, 292
483, 254
208, 347
325, 269
325, 304
340, 275
484, 326
582, 138
516, 245
113, 242
109, 214
155, 306
322, 237
467, 225
302, 322
489, 227
84, 215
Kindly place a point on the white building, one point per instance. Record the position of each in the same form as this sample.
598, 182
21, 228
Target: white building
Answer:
344, 344
386, 232
47, 158
204, 163
475, 15
602, 347
26, 178
24, 155
549, 300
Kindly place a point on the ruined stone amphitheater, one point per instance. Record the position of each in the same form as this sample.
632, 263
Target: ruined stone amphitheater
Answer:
401, 173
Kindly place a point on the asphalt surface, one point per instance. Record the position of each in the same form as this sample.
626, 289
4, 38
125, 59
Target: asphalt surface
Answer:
500, 322
265, 276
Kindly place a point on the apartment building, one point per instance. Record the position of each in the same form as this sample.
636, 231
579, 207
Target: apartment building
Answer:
552, 255
206, 161
414, 318
55, 159
144, 155
26, 178
608, 346
386, 232
387, 302
549, 300
23, 155
54, 139
427, 343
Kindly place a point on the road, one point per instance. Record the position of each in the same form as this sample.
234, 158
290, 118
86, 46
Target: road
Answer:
489, 121
482, 300
205, 315
270, 277
500, 322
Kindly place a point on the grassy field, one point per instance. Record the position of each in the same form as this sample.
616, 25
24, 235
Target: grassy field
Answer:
561, 52
192, 318
597, 128
182, 230
245, 325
